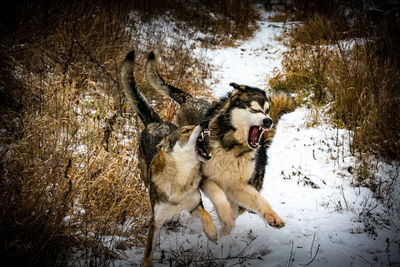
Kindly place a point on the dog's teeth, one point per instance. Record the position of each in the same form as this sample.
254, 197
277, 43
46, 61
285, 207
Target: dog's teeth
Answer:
201, 137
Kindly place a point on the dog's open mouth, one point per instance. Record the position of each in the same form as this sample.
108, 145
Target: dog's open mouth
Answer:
255, 134
201, 144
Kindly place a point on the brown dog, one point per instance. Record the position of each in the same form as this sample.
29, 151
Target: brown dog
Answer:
169, 159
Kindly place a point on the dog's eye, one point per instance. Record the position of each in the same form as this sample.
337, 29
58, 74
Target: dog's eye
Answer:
255, 110
186, 131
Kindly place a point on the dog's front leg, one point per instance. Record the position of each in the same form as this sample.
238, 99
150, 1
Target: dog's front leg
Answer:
205, 218
248, 197
221, 204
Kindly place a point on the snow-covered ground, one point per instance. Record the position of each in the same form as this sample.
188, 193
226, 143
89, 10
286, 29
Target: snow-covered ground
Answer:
308, 182
250, 63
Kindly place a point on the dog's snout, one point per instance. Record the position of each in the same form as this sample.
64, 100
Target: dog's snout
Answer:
267, 122
204, 124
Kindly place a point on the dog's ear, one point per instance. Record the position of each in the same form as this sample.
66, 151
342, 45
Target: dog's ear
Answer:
162, 146
238, 87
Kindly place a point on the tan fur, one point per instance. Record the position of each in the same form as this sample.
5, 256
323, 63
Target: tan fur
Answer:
229, 171
168, 159
175, 178
280, 103
226, 185
222, 178
176, 182
221, 204
228, 174
242, 119
223, 162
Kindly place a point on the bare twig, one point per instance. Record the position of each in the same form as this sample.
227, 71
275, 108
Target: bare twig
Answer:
312, 245
248, 244
361, 257
230, 258
67, 168
291, 256
314, 256
344, 198
388, 251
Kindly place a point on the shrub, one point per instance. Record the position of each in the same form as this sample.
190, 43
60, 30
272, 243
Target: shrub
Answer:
69, 180
359, 78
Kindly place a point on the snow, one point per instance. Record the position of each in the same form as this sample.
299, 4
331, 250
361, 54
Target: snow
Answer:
308, 182
251, 63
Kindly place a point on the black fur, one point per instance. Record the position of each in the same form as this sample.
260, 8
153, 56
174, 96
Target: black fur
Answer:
155, 130
176, 93
138, 102
151, 136
225, 128
257, 178
193, 111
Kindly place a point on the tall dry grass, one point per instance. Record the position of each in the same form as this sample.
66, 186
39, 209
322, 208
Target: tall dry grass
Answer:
358, 77
69, 178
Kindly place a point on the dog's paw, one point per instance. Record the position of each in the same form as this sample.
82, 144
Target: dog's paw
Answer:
274, 220
226, 217
211, 232
224, 230
208, 226
147, 262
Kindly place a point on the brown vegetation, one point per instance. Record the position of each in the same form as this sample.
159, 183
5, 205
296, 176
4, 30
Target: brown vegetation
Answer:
359, 78
68, 167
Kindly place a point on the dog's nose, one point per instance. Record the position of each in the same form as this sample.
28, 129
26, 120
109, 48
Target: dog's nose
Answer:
267, 122
204, 124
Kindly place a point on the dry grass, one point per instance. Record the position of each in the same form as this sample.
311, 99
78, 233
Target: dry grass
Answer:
317, 30
359, 79
224, 22
69, 176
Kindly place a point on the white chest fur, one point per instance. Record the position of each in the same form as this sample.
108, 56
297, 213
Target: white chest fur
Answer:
180, 177
227, 170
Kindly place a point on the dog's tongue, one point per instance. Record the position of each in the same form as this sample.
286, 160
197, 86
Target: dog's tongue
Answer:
254, 132
254, 136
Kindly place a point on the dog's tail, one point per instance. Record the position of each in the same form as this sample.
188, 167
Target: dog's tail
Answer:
155, 80
136, 99
280, 103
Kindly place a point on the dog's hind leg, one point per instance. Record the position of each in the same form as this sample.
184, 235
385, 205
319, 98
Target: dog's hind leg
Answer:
249, 198
235, 208
152, 235
225, 229
205, 218
162, 213
221, 204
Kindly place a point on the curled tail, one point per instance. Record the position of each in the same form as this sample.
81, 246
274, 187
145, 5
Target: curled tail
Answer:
155, 80
136, 99
280, 103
